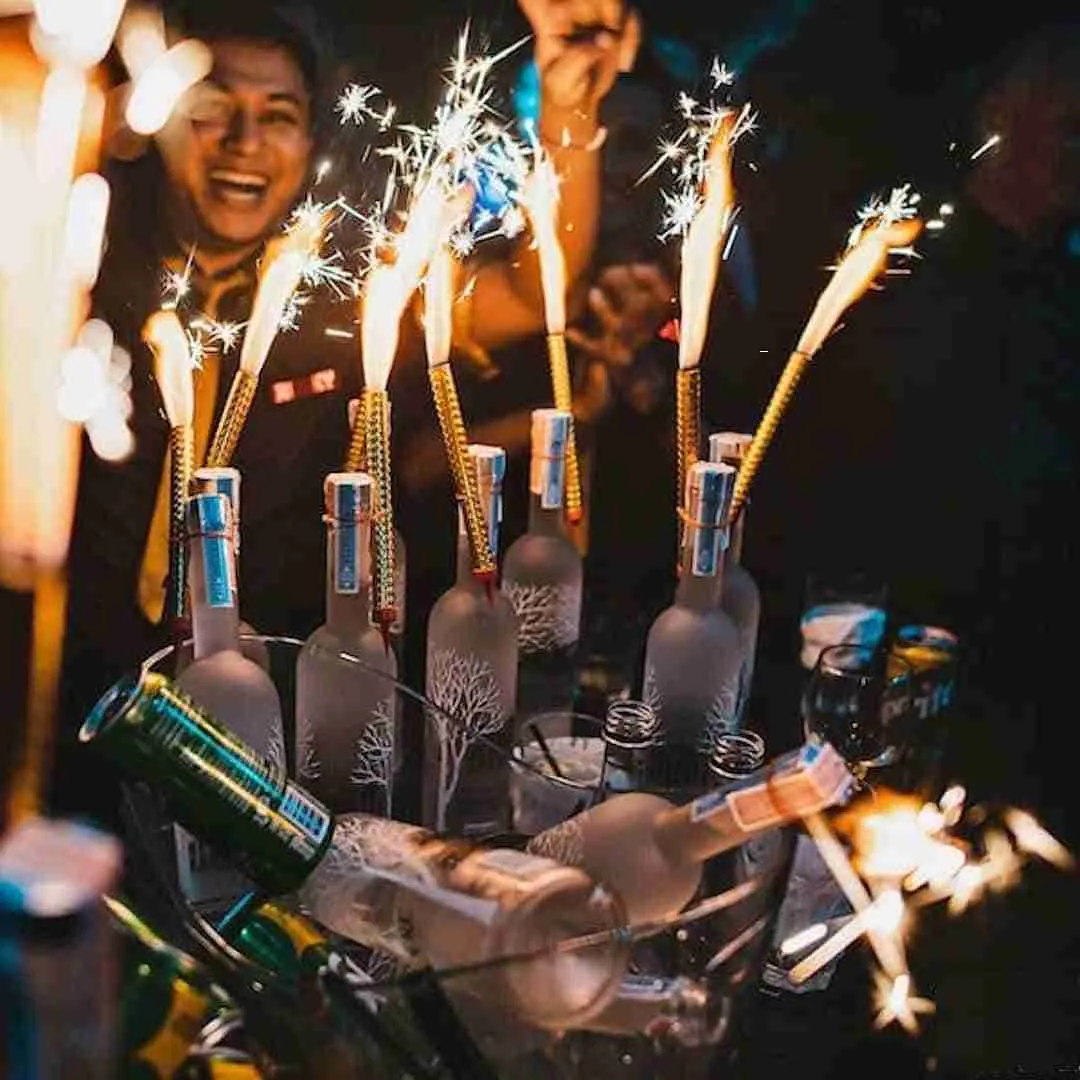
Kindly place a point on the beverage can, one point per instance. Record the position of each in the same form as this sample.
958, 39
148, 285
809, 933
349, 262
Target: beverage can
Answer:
216, 785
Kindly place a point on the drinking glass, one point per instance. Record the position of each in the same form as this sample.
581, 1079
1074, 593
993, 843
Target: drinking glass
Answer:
859, 699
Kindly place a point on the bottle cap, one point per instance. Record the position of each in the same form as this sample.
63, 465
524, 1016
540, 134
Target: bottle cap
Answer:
218, 480
547, 468
709, 487
631, 724
347, 497
729, 447
209, 514
489, 462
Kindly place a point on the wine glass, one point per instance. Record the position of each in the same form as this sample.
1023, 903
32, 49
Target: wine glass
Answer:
859, 699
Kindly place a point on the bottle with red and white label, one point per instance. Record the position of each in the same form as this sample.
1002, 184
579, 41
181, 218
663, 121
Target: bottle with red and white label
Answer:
542, 577
693, 655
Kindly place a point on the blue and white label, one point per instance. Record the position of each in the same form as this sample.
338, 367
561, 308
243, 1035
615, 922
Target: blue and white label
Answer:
219, 583
309, 817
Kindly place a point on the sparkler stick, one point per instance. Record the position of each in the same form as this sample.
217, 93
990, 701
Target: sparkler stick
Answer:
356, 457
882, 228
540, 197
697, 280
172, 369
50, 257
283, 267
438, 326
379, 338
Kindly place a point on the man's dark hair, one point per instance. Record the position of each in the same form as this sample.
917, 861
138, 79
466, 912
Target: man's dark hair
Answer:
256, 20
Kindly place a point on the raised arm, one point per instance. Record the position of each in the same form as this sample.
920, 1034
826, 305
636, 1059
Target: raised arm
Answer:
581, 46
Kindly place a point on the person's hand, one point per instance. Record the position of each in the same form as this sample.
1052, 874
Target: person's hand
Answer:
629, 304
581, 47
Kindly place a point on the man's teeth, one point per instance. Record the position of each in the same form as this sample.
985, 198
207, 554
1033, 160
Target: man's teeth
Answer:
247, 182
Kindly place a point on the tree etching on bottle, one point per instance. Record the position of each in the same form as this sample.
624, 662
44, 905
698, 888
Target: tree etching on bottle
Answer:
650, 691
721, 718
374, 753
463, 686
275, 747
347, 881
548, 615
564, 843
308, 766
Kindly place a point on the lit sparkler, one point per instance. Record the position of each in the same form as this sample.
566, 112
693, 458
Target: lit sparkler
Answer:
355, 106
438, 331
284, 264
540, 197
883, 227
169, 343
909, 854
52, 225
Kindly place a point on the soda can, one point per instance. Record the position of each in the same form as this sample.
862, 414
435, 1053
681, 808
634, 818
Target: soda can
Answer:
217, 786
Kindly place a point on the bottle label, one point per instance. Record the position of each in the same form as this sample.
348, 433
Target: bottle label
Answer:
547, 473
311, 819
705, 551
219, 583
347, 559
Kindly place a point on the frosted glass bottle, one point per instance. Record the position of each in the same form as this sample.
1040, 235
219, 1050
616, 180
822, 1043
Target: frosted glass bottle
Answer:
416, 896
650, 852
542, 577
740, 596
472, 665
220, 679
693, 656
346, 729
225, 480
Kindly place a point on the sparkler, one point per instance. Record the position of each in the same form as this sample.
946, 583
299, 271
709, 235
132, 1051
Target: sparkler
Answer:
284, 264
172, 369
882, 228
910, 855
52, 227
438, 327
540, 197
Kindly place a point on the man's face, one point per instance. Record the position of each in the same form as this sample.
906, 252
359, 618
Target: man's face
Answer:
244, 142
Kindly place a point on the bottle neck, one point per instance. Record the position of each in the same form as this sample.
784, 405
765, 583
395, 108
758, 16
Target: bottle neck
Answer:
215, 617
702, 569
348, 580
544, 520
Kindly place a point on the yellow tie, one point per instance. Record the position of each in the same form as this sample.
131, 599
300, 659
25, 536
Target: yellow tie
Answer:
154, 569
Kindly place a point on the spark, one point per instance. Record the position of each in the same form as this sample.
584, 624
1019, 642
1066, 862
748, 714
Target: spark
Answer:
687, 156
901, 205
989, 144
337, 332
178, 283
895, 1003
322, 169
355, 106
290, 315
224, 334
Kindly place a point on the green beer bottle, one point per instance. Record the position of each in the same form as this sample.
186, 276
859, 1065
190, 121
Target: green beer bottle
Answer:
167, 998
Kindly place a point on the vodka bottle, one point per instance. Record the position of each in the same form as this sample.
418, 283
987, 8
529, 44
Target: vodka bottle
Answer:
630, 732
394, 887
542, 577
346, 730
650, 853
739, 593
225, 480
472, 664
236, 690
692, 654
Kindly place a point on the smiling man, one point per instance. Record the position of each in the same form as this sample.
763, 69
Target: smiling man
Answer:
236, 157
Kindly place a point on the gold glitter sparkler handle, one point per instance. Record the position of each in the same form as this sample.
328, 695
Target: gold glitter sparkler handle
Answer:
237, 407
687, 426
448, 407
356, 458
181, 463
559, 364
375, 412
781, 396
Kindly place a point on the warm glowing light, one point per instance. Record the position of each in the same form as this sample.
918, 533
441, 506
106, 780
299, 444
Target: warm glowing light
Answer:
84, 237
159, 88
1032, 837
803, 939
76, 31
438, 307
540, 197
82, 385
172, 366
989, 144
896, 1004
381, 308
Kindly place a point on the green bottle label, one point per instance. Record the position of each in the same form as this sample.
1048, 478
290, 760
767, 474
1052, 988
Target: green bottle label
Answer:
216, 785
